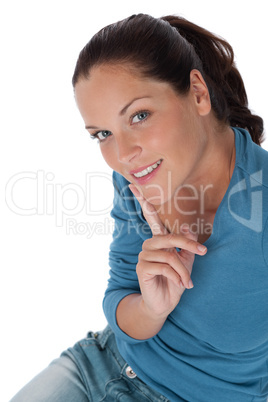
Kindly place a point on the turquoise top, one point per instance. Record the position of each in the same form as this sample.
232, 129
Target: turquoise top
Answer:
214, 345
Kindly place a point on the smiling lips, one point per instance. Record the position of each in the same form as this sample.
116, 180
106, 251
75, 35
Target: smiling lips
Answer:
148, 170
144, 172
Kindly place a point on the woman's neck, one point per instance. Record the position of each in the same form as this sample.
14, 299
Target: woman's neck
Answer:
197, 201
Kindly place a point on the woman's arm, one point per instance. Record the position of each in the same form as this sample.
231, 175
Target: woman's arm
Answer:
134, 319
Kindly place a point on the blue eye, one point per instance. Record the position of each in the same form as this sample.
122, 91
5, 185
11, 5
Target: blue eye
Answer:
138, 117
101, 135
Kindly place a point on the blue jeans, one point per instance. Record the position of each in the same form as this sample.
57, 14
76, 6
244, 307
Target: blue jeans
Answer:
93, 370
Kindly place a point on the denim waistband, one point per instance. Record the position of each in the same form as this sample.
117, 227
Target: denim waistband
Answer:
106, 341
102, 336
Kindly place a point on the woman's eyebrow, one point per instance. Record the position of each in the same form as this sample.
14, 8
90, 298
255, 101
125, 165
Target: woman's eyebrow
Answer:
91, 127
123, 111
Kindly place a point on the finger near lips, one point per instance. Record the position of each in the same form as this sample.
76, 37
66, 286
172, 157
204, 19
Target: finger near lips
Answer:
158, 228
154, 222
149, 212
167, 258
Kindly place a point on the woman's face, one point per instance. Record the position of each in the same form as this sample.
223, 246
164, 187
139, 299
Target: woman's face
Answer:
147, 133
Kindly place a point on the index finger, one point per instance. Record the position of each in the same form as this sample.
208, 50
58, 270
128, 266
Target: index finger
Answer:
149, 213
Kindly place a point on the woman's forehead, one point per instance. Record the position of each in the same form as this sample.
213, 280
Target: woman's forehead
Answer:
104, 79
108, 91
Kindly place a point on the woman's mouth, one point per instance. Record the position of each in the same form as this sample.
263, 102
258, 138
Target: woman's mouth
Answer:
146, 173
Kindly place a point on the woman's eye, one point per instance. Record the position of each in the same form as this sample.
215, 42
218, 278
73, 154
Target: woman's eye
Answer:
101, 135
138, 117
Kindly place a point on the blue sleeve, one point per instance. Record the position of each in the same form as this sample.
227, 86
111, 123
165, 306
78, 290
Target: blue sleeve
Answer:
130, 230
265, 242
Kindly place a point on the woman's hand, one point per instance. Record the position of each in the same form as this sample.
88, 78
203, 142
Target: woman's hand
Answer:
163, 272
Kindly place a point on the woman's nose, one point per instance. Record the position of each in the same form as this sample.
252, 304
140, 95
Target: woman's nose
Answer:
127, 150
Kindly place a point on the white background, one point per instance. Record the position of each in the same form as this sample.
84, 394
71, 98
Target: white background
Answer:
53, 274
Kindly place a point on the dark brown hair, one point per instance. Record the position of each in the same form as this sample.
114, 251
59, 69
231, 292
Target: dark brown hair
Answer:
168, 49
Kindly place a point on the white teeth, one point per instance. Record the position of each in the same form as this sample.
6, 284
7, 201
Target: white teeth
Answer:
148, 169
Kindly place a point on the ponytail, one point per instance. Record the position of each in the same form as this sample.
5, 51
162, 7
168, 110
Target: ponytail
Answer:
225, 84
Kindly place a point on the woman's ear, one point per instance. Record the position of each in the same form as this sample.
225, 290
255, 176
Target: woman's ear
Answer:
200, 92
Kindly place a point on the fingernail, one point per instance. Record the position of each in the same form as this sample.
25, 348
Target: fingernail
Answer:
190, 285
201, 248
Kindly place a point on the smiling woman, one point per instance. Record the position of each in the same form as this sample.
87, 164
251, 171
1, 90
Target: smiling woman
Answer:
188, 287
131, 132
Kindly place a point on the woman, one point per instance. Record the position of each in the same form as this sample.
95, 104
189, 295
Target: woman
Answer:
187, 298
